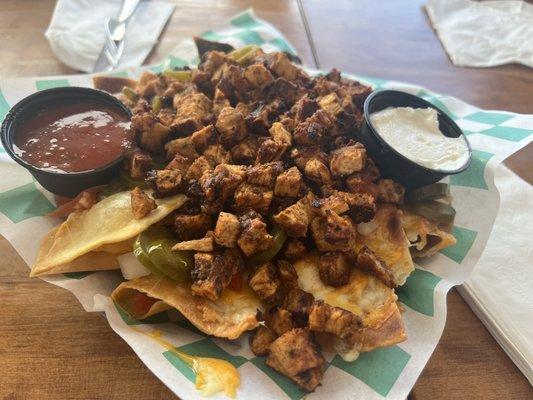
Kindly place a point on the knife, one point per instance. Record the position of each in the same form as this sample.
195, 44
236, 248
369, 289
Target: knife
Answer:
115, 31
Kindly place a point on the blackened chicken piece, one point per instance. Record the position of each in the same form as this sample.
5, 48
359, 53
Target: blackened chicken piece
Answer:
298, 302
265, 283
212, 61
221, 183
253, 197
230, 126
198, 167
179, 163
280, 134
204, 137
294, 250
216, 154
335, 202
141, 203
282, 89
314, 129
297, 356
316, 171
258, 75
212, 273
254, 236
362, 207
287, 274
139, 162
182, 146
165, 182
227, 229
304, 108
279, 320
333, 233
245, 152
347, 160
270, 150
358, 183
390, 191
331, 104
338, 321
188, 227
302, 155
260, 341
367, 260
288, 183
205, 244
258, 119
264, 174
294, 220
150, 132
280, 65
334, 269
192, 110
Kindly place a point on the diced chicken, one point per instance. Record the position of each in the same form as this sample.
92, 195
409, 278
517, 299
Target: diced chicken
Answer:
333, 233
297, 356
153, 138
335, 203
258, 75
294, 219
298, 302
294, 250
141, 203
205, 244
347, 160
203, 137
258, 120
302, 155
280, 134
139, 162
331, 104
265, 283
334, 269
261, 340
254, 236
390, 191
367, 260
287, 274
245, 152
357, 183
165, 182
217, 154
314, 129
189, 227
192, 109
279, 320
230, 126
317, 171
182, 146
221, 183
288, 183
338, 321
165, 116
227, 230
269, 151
198, 168
212, 61
253, 197
280, 64
264, 174
304, 108
362, 205
212, 273
179, 163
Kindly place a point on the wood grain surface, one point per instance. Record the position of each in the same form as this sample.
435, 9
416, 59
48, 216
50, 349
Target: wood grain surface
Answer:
50, 348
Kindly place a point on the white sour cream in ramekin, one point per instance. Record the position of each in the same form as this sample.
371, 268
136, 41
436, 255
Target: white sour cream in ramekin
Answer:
415, 133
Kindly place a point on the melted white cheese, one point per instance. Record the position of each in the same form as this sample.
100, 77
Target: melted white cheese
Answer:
414, 132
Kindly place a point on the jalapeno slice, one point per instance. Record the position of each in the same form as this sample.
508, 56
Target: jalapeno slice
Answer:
243, 54
157, 104
278, 241
430, 192
183, 75
157, 243
130, 94
434, 211
143, 258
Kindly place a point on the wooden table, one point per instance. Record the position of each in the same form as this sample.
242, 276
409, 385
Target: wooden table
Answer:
50, 348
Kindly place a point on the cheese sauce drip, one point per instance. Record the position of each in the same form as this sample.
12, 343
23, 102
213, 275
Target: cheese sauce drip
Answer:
415, 133
212, 375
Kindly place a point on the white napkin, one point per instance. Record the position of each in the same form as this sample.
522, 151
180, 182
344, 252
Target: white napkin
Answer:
76, 32
499, 288
484, 33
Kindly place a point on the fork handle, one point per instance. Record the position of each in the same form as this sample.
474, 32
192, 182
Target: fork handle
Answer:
127, 10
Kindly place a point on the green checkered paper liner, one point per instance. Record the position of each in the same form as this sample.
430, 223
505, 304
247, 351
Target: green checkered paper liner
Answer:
384, 373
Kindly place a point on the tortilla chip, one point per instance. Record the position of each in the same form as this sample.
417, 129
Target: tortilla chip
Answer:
389, 242
228, 317
365, 296
109, 221
426, 237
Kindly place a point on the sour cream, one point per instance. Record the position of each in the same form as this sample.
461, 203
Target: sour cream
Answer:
415, 133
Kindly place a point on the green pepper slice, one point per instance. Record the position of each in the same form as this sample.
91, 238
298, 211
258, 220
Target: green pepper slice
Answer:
143, 258
434, 211
182, 75
157, 104
157, 243
278, 241
130, 94
429, 192
243, 54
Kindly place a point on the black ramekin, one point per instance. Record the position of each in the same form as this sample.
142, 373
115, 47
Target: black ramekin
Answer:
391, 163
62, 183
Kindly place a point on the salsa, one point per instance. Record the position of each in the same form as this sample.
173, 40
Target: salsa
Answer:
73, 137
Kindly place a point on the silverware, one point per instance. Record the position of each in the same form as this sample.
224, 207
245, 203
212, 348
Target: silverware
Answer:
115, 31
